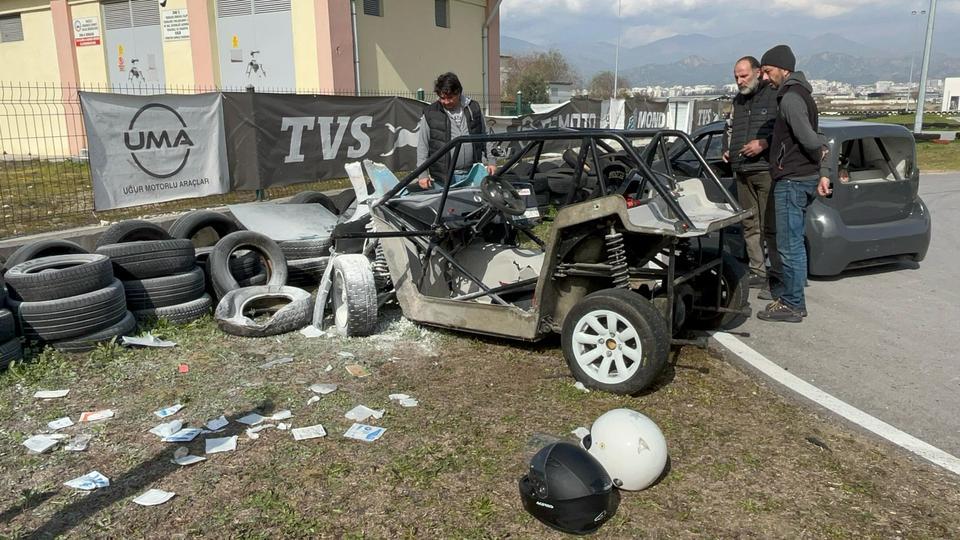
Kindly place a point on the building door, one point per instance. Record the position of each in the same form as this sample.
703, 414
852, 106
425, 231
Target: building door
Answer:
134, 46
255, 40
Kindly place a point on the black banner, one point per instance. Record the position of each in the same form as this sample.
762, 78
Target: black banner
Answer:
281, 139
645, 114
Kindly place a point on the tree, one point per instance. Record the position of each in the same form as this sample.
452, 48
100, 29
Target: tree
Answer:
525, 70
601, 85
534, 88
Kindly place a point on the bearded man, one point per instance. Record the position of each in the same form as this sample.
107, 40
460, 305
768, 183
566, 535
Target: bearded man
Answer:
746, 149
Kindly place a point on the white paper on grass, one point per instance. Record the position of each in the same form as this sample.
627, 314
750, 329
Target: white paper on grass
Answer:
309, 432
254, 432
60, 423
312, 332
153, 497
217, 423
223, 444
329, 368
283, 426
580, 433
251, 419
41, 443
277, 362
313, 400
323, 388
94, 416
183, 461
579, 386
167, 429
184, 435
78, 443
345, 354
404, 400
50, 394
147, 340
281, 415
363, 432
90, 481
362, 412
168, 411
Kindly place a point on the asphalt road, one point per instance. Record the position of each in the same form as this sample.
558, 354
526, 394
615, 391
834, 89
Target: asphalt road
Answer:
885, 340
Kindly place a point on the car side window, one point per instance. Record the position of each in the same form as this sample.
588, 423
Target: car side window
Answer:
876, 159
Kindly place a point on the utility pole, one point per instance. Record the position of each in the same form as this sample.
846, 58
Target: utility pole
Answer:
616, 61
922, 95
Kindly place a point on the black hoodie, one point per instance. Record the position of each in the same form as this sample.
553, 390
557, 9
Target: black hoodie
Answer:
796, 149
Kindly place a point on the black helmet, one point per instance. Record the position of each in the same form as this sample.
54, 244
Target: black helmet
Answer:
567, 489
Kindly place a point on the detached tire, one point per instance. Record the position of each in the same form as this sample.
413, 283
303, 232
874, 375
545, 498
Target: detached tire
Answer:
306, 271
165, 290
188, 225
65, 318
125, 326
310, 197
132, 230
42, 248
291, 310
615, 340
59, 276
9, 351
219, 260
305, 249
179, 313
150, 259
8, 325
354, 294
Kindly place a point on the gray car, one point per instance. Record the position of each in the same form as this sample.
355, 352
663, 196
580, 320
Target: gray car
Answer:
874, 216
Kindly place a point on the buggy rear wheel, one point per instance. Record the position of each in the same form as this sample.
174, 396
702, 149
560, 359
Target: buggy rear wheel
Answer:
615, 340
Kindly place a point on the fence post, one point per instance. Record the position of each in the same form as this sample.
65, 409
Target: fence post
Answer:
519, 111
259, 192
421, 95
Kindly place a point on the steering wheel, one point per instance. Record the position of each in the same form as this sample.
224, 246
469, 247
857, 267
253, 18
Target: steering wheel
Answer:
502, 196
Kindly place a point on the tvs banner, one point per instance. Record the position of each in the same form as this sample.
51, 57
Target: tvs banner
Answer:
278, 139
706, 112
151, 149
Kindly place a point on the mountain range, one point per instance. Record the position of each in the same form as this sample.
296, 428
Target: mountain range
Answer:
700, 59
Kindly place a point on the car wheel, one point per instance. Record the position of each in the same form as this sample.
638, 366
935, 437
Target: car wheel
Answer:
615, 340
354, 294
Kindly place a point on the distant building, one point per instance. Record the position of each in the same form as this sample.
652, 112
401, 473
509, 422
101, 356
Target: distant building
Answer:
951, 95
560, 92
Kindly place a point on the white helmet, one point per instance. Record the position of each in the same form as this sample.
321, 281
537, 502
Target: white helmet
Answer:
629, 446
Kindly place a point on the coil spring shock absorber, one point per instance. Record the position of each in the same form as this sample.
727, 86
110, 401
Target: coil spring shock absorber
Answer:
617, 259
381, 272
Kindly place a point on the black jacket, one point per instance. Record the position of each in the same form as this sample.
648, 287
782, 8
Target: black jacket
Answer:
796, 148
753, 118
439, 124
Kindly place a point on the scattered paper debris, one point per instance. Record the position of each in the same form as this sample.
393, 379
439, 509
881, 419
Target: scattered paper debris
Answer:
147, 340
90, 481
329, 368
184, 435
310, 432
312, 332
357, 370
78, 443
217, 423
60, 423
183, 368
223, 444
579, 386
323, 388
362, 412
39, 444
251, 419
313, 400
168, 411
181, 451
363, 432
153, 497
283, 426
183, 458
345, 354
277, 362
580, 433
50, 394
404, 400
254, 432
281, 415
167, 429
94, 416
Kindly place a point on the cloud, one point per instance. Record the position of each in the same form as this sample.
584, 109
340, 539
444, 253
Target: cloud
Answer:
821, 9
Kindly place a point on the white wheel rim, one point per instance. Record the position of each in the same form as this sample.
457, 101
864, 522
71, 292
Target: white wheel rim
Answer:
607, 347
340, 307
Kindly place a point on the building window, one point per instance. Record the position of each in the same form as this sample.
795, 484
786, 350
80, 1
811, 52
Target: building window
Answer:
442, 10
10, 28
373, 7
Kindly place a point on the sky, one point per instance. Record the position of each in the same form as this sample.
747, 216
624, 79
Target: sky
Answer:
885, 24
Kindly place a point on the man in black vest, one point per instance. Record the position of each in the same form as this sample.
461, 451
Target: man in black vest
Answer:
800, 170
451, 116
745, 148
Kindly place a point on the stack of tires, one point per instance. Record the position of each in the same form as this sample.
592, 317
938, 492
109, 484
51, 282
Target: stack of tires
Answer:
204, 228
10, 348
307, 259
159, 274
71, 302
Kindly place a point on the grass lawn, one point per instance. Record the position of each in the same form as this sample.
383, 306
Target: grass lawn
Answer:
908, 119
938, 157
744, 462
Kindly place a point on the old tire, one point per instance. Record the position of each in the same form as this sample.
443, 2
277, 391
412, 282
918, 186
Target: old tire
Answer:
132, 230
734, 292
615, 340
179, 313
291, 310
58, 276
125, 326
305, 249
151, 258
306, 271
10, 350
354, 295
188, 225
165, 290
310, 197
42, 248
219, 261
8, 325
65, 318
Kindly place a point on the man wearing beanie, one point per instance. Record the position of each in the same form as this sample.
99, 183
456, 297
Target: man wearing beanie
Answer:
800, 170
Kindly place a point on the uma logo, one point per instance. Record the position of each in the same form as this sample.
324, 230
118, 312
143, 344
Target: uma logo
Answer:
157, 149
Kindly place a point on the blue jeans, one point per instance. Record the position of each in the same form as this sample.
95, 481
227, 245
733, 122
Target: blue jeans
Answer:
791, 199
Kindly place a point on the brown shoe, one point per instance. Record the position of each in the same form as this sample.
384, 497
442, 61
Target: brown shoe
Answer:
777, 311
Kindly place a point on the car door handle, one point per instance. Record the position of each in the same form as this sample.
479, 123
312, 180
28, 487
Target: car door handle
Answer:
856, 186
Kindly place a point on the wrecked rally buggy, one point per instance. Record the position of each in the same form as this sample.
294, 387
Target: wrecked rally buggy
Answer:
621, 268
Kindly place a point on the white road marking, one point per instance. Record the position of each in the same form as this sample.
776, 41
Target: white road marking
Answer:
818, 396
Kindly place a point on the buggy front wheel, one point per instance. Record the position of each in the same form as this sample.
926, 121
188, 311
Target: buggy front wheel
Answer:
615, 340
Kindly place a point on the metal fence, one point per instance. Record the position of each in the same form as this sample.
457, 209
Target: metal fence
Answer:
45, 179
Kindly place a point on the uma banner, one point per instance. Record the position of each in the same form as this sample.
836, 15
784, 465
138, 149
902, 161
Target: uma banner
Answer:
151, 149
